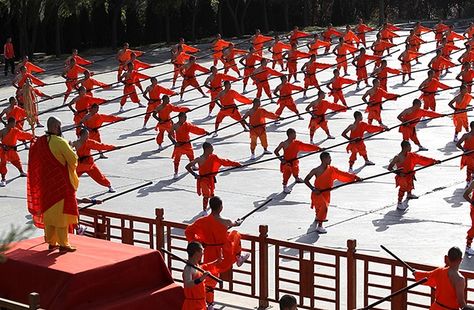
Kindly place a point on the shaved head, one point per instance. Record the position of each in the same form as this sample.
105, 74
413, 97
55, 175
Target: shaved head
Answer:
54, 125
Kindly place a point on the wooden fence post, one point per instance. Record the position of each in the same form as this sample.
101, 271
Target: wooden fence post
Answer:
34, 300
351, 274
160, 229
263, 267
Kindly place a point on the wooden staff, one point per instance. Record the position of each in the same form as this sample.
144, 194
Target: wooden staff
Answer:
398, 259
192, 265
256, 209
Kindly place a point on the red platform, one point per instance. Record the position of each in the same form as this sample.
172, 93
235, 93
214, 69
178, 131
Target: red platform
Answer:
99, 275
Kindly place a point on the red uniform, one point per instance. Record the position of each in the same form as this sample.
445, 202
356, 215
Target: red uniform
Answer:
439, 64
207, 172
374, 106
285, 100
183, 145
81, 61
228, 106
8, 151
229, 57
259, 41
86, 162
409, 130
466, 78
358, 147
361, 65
336, 90
261, 80
320, 202
216, 87
257, 127
361, 30
318, 115
129, 90
218, 47
445, 293
290, 155
94, 122
295, 35
405, 182
155, 99
429, 92
468, 159
165, 123
277, 52
32, 68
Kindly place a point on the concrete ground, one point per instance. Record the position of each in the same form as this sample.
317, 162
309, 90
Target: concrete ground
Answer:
366, 211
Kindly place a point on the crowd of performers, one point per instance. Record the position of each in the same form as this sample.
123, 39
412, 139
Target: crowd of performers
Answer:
281, 57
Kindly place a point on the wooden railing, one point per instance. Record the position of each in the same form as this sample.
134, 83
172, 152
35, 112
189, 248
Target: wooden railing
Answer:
33, 299
322, 278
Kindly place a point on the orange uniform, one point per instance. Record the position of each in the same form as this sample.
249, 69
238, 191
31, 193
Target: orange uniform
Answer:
358, 147
291, 166
447, 49
178, 62
228, 106
405, 182
374, 106
387, 34
8, 151
71, 77
466, 78
189, 75
379, 47
183, 145
90, 83
460, 119
124, 58
129, 89
250, 61
361, 65
445, 293
406, 59
293, 56
81, 61
328, 34
341, 53
318, 115
217, 242
336, 88
32, 68
414, 42
429, 92
229, 57
19, 114
218, 47
382, 76
195, 297
314, 46
361, 30
310, 74
165, 123
470, 232
96, 121
277, 52
215, 87
350, 38
257, 127
86, 162
295, 35
439, 64
320, 202
155, 99
189, 49
207, 174
261, 81
82, 106
34, 80
285, 100
259, 41
468, 159
409, 130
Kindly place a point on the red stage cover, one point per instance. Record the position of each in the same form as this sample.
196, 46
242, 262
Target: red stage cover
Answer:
99, 275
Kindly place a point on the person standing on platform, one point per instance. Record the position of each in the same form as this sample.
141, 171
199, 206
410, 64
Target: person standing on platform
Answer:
51, 186
9, 55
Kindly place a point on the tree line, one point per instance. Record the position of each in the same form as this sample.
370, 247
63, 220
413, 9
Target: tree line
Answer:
57, 26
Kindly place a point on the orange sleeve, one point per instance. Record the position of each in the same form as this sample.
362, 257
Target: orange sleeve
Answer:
226, 77
442, 85
178, 109
23, 135
337, 107
347, 81
193, 231
141, 76
100, 84
431, 275
296, 87
110, 118
38, 92
100, 146
81, 61
196, 130
372, 128
273, 72
343, 176
393, 71
269, 115
241, 98
35, 80
95, 100
228, 162
428, 113
306, 147
34, 68
320, 65
166, 91
422, 160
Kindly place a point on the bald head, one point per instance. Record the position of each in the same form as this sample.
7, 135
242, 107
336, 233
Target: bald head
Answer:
54, 126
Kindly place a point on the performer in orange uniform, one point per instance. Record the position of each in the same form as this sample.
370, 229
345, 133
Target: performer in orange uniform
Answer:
387, 32
162, 114
405, 162
178, 59
459, 105
81, 104
193, 279
411, 117
283, 92
335, 87
218, 45
228, 107
361, 30
153, 94
360, 62
466, 144
214, 83
296, 34
356, 142
130, 78
22, 76
94, 120
13, 111
468, 195
292, 57
29, 66
379, 47
8, 138
71, 73
208, 166
257, 118
314, 45
325, 175
276, 49
137, 65
428, 88
448, 282
381, 73
188, 71
439, 63
309, 70
466, 76
289, 161
78, 59
83, 147
51, 186
248, 61
328, 34
261, 76
350, 37
374, 102
179, 136
88, 82
405, 58
341, 50
414, 43
229, 55
318, 109
187, 48
220, 245
123, 56
469, 32
258, 40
